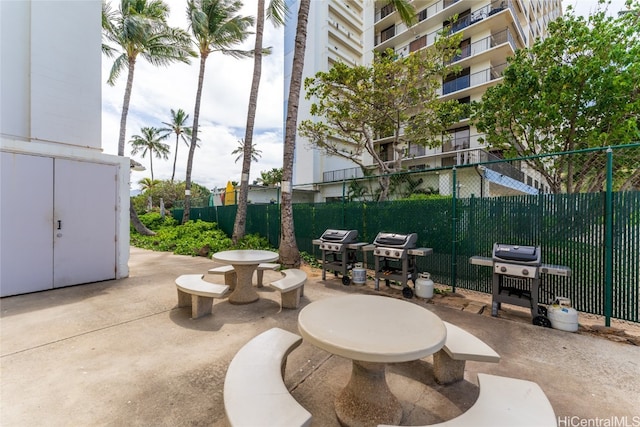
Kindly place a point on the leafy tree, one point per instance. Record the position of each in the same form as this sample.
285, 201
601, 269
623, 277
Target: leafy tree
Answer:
394, 98
150, 142
255, 153
178, 125
289, 252
139, 27
216, 28
578, 88
275, 13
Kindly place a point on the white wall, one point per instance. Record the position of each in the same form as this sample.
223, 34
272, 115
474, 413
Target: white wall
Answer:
51, 71
51, 90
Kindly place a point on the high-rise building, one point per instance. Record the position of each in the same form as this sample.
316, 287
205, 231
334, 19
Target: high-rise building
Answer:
350, 31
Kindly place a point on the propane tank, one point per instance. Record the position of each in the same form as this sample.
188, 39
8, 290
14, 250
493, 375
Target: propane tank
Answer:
563, 318
424, 286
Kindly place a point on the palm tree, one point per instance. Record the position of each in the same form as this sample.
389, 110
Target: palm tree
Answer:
276, 12
254, 152
148, 183
178, 126
271, 178
289, 252
150, 142
139, 27
216, 28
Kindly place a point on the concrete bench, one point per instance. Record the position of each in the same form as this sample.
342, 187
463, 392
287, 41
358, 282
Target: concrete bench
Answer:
506, 401
460, 346
254, 390
261, 268
230, 274
199, 294
291, 287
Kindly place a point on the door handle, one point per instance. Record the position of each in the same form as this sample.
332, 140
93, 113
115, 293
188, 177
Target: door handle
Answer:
59, 225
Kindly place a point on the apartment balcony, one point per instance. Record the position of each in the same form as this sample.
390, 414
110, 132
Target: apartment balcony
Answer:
342, 174
344, 38
469, 156
471, 80
486, 44
348, 10
396, 35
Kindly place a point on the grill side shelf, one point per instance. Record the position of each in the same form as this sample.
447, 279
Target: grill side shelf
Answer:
481, 260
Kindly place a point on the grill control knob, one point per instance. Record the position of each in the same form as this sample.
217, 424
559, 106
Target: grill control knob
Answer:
387, 252
525, 272
503, 269
397, 254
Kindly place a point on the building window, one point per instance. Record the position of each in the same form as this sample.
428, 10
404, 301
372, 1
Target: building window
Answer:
418, 44
457, 139
386, 152
416, 150
387, 33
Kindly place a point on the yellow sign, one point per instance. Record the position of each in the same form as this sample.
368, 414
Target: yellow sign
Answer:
229, 194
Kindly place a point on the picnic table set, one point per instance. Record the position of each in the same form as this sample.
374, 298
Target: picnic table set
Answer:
371, 331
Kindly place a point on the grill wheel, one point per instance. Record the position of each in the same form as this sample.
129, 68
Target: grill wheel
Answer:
542, 321
407, 292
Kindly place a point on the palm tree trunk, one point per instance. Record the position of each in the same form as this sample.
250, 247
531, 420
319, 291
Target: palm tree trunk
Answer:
289, 253
194, 139
125, 107
151, 163
241, 215
175, 158
137, 224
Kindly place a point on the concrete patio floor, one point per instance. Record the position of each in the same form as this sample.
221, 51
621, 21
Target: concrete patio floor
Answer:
121, 353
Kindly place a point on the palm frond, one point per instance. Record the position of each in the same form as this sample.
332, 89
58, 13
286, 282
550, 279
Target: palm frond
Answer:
277, 12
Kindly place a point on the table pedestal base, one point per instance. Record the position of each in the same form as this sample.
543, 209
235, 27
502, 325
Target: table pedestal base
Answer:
367, 400
244, 292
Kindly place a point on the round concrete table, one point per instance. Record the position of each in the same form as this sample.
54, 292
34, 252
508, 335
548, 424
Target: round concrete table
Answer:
371, 331
244, 262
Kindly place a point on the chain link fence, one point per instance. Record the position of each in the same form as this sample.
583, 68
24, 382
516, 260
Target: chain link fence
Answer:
582, 208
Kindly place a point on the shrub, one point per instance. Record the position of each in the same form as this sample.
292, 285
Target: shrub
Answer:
195, 238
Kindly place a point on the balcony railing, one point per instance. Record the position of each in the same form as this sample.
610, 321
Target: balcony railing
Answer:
484, 45
422, 15
475, 16
342, 174
474, 79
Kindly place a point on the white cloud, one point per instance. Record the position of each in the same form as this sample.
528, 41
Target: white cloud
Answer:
223, 109
588, 7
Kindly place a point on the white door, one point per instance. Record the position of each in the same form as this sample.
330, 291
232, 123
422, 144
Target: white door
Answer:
84, 223
26, 215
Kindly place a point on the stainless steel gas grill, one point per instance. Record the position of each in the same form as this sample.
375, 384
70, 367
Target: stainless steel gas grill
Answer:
516, 278
395, 259
339, 252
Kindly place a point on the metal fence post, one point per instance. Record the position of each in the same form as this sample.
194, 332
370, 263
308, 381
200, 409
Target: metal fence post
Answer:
608, 238
454, 234
344, 185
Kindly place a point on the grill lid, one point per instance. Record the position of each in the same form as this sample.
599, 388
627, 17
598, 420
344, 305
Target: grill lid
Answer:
393, 240
340, 236
516, 253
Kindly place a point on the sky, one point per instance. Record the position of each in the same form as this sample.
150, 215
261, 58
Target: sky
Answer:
223, 109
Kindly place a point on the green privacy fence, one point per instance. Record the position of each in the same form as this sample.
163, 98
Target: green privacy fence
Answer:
595, 233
